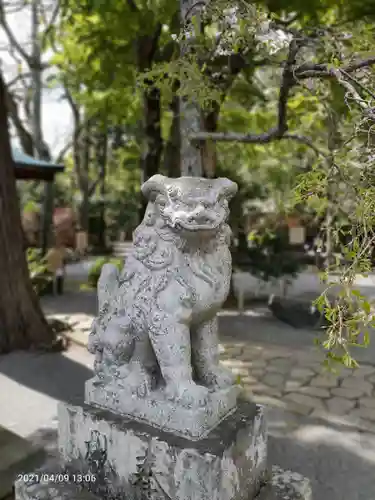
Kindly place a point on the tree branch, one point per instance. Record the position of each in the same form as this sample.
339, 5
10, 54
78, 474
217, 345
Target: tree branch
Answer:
351, 91
16, 79
289, 79
78, 127
324, 71
306, 141
10, 35
26, 139
51, 22
264, 138
287, 82
93, 186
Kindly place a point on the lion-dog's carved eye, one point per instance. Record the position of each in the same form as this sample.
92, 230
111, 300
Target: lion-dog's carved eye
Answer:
161, 201
173, 192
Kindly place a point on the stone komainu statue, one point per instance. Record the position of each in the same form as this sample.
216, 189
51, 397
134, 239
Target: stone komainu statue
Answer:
157, 326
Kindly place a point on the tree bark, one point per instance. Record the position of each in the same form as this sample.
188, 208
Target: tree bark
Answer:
209, 154
172, 157
22, 324
190, 117
153, 141
83, 157
101, 158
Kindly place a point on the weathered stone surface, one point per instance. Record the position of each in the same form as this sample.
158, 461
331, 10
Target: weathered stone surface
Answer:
363, 371
231, 460
301, 373
340, 406
156, 337
367, 402
242, 371
286, 485
234, 363
234, 351
358, 383
326, 380
305, 400
348, 393
267, 400
51, 490
260, 388
249, 379
157, 410
318, 392
277, 369
281, 363
292, 385
273, 380
364, 413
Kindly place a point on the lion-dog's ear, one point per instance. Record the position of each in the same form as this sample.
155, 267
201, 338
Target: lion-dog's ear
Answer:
226, 188
154, 186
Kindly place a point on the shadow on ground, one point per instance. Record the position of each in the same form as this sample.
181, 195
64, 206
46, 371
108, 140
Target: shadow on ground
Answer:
337, 459
71, 302
55, 375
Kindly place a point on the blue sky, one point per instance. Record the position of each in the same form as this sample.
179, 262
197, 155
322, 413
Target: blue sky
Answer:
56, 116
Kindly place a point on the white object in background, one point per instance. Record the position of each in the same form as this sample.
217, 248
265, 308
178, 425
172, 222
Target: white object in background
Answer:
297, 235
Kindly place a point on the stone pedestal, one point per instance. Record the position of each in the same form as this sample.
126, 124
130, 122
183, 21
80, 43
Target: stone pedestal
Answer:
156, 410
115, 457
108, 457
285, 485
229, 463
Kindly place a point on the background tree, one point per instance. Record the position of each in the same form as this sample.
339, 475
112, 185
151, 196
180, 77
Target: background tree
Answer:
329, 43
22, 323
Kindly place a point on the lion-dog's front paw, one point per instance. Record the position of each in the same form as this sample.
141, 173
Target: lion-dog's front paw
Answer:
187, 394
219, 377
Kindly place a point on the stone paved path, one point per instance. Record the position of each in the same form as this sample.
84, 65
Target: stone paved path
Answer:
295, 381
320, 425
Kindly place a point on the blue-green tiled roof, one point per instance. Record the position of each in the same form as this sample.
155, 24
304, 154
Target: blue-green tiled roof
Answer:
23, 160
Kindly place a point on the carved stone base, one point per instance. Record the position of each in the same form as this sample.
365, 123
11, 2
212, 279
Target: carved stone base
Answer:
157, 411
230, 463
48, 491
286, 485
283, 485
105, 456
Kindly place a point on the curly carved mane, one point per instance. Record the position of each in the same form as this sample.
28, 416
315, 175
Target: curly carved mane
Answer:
156, 246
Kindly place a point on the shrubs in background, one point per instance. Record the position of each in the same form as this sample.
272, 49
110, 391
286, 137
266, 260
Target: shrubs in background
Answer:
41, 278
96, 269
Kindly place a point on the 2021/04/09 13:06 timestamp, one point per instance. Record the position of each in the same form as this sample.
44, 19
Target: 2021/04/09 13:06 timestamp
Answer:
48, 478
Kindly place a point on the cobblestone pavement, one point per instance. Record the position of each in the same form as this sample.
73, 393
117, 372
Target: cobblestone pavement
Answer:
321, 425
295, 381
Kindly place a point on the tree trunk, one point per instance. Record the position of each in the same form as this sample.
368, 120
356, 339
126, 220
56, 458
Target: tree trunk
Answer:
83, 157
190, 117
22, 324
172, 157
209, 155
101, 158
153, 141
